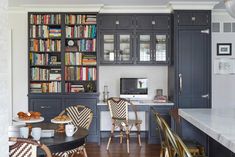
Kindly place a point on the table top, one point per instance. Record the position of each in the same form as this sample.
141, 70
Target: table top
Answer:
144, 102
60, 142
217, 123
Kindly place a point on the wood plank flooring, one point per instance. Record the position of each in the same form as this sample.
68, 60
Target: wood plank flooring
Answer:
119, 150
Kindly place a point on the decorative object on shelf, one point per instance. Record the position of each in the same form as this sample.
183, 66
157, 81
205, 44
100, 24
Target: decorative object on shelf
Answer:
105, 93
224, 49
224, 66
90, 87
230, 6
159, 96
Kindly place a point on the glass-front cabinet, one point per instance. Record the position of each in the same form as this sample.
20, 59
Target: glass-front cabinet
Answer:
152, 48
116, 47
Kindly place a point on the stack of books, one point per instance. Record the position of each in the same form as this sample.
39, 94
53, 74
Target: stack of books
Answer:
55, 32
89, 60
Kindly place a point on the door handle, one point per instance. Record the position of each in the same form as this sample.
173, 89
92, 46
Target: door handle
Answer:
45, 107
205, 96
180, 83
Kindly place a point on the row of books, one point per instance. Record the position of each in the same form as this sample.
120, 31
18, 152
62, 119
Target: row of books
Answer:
73, 58
42, 74
45, 45
80, 19
89, 60
52, 87
80, 73
43, 59
45, 19
43, 31
88, 31
86, 45
74, 88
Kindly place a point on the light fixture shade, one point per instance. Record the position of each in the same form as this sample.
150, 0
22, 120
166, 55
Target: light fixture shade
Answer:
230, 6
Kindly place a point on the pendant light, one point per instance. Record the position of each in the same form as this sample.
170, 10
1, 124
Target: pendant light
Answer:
230, 6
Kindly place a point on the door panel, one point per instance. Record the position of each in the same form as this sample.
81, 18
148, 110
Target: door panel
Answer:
108, 22
144, 22
124, 21
161, 22
193, 65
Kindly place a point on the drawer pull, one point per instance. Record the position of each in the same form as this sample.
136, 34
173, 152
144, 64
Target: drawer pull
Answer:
45, 107
193, 18
117, 22
153, 22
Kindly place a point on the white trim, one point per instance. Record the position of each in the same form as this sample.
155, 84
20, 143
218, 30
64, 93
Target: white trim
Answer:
135, 9
192, 5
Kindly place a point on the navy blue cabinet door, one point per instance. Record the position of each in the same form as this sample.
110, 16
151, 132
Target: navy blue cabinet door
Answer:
193, 72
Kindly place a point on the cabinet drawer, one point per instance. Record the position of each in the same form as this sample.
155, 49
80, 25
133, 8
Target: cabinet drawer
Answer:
116, 22
193, 18
48, 107
91, 103
144, 22
161, 22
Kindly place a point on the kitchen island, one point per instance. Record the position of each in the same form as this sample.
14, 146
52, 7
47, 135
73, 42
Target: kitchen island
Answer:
218, 124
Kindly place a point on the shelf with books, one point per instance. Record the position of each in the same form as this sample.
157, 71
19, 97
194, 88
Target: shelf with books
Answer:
81, 87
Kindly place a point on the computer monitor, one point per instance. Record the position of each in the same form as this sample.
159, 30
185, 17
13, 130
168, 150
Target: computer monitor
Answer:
134, 88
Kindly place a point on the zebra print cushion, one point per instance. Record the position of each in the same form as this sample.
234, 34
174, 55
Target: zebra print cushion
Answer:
80, 116
69, 152
23, 150
118, 109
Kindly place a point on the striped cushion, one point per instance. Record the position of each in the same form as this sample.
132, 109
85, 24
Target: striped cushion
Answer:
22, 150
69, 152
80, 116
118, 109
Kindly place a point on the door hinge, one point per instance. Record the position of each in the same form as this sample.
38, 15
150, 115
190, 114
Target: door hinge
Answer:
207, 31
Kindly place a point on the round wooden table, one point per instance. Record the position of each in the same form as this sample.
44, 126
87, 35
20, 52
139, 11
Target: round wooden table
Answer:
60, 142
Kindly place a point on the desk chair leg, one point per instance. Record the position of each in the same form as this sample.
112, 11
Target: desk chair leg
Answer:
138, 133
111, 135
121, 134
128, 140
84, 152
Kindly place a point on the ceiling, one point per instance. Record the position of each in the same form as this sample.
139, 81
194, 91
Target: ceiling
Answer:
16, 3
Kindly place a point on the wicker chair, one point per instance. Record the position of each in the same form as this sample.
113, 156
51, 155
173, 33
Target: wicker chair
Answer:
26, 147
118, 108
81, 117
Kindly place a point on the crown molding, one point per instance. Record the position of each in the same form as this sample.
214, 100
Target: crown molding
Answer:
135, 9
57, 8
192, 5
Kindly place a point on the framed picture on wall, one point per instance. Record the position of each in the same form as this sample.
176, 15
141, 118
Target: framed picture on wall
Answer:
224, 66
224, 49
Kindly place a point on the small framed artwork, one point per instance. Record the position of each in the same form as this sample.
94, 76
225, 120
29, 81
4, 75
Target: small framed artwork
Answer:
224, 66
224, 49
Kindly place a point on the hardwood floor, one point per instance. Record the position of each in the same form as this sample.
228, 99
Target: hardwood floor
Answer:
119, 150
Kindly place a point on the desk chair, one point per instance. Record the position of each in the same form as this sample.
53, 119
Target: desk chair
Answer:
81, 116
26, 147
194, 147
118, 108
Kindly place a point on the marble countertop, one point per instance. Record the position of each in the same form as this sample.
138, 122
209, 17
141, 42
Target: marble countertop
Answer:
217, 123
143, 102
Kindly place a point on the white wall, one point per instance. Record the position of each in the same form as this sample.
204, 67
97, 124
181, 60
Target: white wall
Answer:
110, 76
223, 86
5, 79
18, 24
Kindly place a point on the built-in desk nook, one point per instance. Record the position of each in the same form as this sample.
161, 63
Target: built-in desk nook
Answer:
148, 128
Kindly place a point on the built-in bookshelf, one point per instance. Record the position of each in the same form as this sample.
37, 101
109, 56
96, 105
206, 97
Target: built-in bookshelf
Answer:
80, 53
62, 53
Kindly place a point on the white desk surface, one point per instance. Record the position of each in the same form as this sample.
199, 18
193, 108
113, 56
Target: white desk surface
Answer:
217, 123
144, 102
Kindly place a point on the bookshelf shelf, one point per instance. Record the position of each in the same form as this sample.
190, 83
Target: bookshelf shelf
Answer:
62, 53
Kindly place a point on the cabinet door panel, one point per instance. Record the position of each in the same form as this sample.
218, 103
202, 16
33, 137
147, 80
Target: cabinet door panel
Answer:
144, 48
161, 47
185, 18
193, 67
48, 107
161, 22
144, 22
124, 21
107, 22
201, 18
124, 47
107, 47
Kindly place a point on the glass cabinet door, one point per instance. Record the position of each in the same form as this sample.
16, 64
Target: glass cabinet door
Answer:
144, 48
108, 48
160, 54
124, 48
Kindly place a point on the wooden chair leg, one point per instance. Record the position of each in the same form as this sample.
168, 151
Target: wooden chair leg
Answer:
121, 134
128, 140
84, 152
138, 134
111, 135
161, 152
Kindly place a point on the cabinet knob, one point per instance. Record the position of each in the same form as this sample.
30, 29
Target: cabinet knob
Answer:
153, 22
193, 18
117, 22
45, 107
